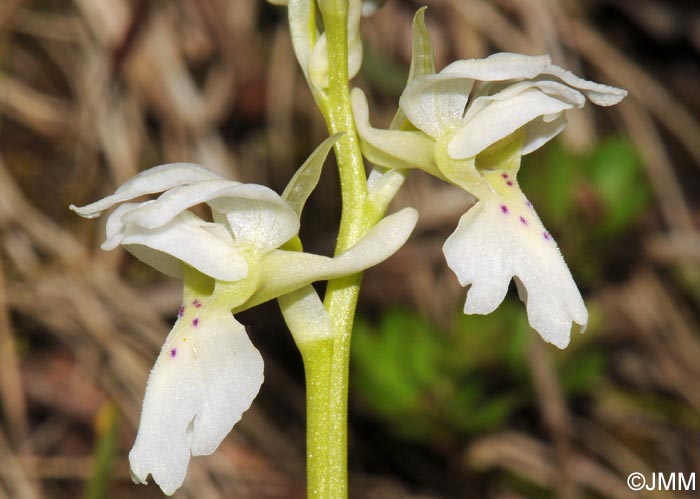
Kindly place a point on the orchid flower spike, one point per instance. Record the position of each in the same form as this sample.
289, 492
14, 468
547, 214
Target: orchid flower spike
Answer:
208, 371
470, 124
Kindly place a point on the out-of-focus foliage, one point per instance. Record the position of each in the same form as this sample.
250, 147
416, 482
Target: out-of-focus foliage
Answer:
588, 201
436, 387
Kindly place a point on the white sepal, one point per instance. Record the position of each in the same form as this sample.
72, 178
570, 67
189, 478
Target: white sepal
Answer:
206, 376
499, 67
494, 243
205, 246
392, 148
156, 179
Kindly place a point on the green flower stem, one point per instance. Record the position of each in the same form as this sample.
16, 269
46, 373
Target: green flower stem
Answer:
318, 358
327, 386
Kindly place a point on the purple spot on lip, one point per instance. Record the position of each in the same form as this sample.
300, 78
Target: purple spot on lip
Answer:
504, 209
510, 182
173, 352
181, 312
195, 321
504, 175
523, 220
528, 204
197, 303
546, 235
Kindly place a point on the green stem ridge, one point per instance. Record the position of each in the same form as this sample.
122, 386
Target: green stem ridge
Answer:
327, 363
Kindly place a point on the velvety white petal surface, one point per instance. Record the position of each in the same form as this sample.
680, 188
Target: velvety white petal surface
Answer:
114, 228
257, 216
551, 88
158, 212
207, 374
186, 239
602, 95
500, 119
538, 132
435, 103
495, 242
156, 179
500, 66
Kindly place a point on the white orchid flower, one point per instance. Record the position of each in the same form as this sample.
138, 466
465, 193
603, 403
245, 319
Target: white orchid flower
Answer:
208, 372
469, 125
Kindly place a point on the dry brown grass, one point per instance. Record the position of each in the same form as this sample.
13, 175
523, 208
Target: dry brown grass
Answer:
92, 91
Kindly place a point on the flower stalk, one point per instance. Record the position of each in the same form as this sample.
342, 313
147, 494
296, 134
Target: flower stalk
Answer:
341, 294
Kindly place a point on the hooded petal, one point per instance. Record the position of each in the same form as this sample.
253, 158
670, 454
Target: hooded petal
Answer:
435, 103
495, 242
257, 216
156, 179
503, 116
207, 374
186, 238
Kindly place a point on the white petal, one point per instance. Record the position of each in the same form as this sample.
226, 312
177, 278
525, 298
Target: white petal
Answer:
156, 179
603, 95
497, 92
186, 239
114, 228
160, 211
205, 377
498, 67
501, 118
257, 215
435, 103
538, 132
392, 148
285, 271
492, 244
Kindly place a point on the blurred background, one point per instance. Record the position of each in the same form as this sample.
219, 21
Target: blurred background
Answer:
442, 405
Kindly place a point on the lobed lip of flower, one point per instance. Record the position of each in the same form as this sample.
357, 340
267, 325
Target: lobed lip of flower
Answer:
481, 101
